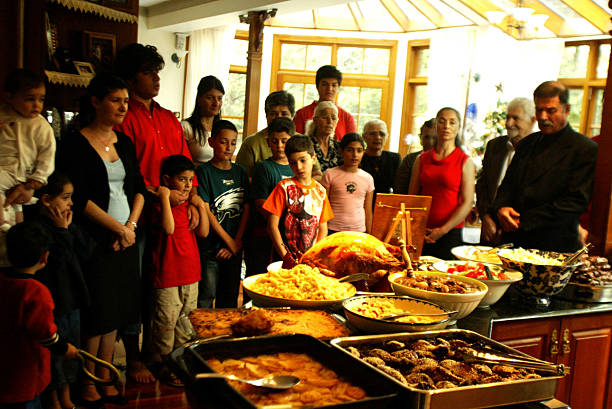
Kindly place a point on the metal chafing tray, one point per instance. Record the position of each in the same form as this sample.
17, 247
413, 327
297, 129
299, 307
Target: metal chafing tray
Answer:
467, 397
586, 293
189, 360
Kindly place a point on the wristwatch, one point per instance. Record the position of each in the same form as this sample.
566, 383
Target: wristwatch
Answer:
132, 223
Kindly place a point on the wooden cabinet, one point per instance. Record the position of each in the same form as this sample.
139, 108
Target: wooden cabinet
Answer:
582, 342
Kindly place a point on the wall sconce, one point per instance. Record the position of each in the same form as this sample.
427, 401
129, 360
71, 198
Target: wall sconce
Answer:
181, 49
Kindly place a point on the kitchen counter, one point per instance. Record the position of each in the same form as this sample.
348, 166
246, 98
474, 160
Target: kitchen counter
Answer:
513, 307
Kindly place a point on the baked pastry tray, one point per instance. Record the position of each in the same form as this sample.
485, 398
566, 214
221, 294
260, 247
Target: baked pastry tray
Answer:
466, 397
587, 293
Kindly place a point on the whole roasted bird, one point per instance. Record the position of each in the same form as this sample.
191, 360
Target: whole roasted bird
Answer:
345, 253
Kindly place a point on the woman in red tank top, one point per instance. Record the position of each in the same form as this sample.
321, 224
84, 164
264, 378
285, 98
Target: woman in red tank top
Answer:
447, 174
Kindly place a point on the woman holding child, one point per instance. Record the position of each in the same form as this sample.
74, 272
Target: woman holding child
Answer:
321, 131
445, 173
108, 199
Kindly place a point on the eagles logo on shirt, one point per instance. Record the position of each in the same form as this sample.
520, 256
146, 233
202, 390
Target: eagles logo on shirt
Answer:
228, 204
350, 187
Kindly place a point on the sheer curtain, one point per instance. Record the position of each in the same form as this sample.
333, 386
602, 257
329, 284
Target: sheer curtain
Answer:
210, 52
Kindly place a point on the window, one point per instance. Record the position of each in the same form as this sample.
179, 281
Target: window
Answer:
584, 69
415, 94
367, 66
235, 89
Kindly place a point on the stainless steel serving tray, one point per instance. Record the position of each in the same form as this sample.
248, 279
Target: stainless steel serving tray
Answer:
466, 397
587, 293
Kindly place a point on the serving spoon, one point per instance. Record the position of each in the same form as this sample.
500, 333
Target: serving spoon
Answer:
416, 314
271, 382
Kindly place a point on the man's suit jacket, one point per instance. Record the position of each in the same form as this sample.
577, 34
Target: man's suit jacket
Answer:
486, 186
549, 182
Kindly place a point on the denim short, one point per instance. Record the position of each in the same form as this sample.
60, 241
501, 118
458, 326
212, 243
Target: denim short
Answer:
64, 371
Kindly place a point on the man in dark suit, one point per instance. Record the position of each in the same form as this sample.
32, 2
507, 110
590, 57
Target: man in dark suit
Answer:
520, 119
550, 179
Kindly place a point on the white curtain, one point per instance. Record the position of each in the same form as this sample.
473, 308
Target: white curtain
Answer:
210, 53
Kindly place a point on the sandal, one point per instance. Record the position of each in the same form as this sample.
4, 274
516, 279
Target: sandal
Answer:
165, 375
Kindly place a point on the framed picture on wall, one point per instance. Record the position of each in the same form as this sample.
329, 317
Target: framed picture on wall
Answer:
84, 68
99, 49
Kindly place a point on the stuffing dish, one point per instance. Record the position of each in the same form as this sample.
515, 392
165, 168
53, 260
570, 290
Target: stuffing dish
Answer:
447, 285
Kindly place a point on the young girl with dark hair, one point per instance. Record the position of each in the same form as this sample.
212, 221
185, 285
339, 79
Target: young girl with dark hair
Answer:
64, 277
198, 126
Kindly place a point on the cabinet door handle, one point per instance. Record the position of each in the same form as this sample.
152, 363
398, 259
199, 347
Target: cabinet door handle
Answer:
565, 346
554, 343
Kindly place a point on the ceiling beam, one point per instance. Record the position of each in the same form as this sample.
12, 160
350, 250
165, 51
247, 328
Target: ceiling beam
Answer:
555, 22
398, 15
357, 15
430, 12
591, 12
315, 18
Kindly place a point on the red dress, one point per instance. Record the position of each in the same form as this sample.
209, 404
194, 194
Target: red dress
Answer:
26, 321
441, 179
176, 259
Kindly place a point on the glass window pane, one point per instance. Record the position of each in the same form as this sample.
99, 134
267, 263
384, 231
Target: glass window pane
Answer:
317, 55
420, 108
363, 119
293, 56
350, 59
348, 99
574, 62
233, 101
597, 112
603, 59
239, 53
369, 102
311, 94
297, 90
575, 100
422, 56
376, 61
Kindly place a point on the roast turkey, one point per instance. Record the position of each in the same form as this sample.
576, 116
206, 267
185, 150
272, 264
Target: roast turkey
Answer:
345, 253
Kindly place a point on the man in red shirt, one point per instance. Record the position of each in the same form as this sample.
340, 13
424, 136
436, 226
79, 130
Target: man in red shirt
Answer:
328, 81
156, 134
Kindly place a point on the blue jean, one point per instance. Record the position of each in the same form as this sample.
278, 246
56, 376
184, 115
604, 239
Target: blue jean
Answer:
31, 404
220, 281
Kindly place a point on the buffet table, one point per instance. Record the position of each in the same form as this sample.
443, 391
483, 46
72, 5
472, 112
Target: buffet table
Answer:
576, 334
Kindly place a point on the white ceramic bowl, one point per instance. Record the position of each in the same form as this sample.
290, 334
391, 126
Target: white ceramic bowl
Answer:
497, 288
463, 303
274, 267
267, 301
469, 253
374, 325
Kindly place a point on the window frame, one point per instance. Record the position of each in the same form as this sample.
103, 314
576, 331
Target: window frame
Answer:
385, 82
410, 84
588, 84
239, 69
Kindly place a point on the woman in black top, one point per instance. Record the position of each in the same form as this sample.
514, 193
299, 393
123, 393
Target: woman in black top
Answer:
108, 199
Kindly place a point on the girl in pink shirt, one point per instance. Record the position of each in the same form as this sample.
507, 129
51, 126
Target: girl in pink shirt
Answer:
350, 189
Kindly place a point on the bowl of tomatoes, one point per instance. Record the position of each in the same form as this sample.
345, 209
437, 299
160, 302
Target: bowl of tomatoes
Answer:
495, 277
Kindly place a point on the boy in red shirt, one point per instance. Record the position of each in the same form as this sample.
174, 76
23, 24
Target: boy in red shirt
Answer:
175, 266
301, 201
28, 333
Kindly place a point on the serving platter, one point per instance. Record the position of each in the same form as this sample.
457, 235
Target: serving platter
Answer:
189, 360
466, 397
470, 253
263, 300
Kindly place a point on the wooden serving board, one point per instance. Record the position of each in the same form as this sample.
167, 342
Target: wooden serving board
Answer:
386, 208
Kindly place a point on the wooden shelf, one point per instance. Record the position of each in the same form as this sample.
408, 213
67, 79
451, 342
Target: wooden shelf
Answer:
102, 11
71, 80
